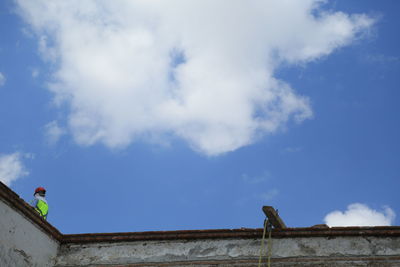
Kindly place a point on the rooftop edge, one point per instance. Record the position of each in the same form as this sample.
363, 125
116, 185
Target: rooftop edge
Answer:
12, 199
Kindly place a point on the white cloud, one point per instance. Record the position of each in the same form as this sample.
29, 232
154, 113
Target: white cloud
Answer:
2, 79
35, 73
270, 194
199, 70
360, 215
381, 59
53, 132
11, 167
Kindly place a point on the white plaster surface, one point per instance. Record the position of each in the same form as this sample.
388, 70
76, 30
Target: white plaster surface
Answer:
228, 249
23, 243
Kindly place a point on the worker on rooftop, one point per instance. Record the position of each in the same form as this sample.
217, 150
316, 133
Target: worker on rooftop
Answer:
40, 203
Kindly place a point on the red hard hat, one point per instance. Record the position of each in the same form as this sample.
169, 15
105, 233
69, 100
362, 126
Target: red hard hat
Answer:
40, 189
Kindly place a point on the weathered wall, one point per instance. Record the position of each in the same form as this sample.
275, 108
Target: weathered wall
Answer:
311, 251
23, 243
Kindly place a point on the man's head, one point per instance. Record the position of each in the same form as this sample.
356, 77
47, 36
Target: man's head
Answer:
41, 191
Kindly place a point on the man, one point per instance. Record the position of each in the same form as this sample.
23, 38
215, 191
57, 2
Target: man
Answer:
40, 203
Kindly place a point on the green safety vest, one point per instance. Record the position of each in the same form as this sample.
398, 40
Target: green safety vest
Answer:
42, 208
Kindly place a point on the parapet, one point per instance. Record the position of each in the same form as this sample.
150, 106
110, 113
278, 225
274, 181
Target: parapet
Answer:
28, 240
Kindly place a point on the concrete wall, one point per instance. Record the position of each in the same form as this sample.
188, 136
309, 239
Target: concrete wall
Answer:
311, 251
23, 243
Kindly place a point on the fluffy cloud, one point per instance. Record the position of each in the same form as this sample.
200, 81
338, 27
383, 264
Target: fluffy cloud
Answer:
11, 167
53, 132
2, 79
360, 215
199, 70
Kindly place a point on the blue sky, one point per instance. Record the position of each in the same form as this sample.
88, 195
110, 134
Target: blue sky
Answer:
304, 118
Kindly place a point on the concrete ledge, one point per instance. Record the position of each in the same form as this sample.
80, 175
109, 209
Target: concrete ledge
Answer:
380, 231
234, 252
309, 261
